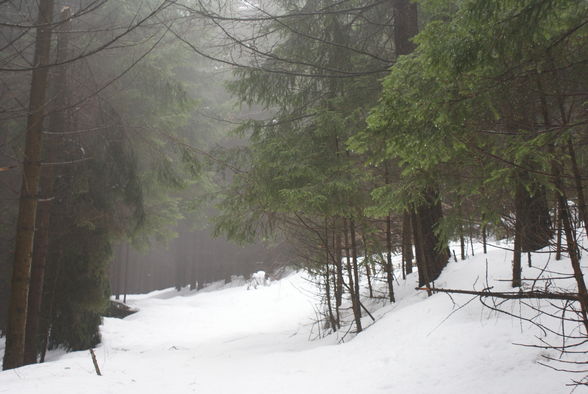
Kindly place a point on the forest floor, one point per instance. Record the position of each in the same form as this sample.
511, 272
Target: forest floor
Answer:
233, 340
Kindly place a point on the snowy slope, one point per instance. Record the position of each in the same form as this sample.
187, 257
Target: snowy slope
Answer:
257, 341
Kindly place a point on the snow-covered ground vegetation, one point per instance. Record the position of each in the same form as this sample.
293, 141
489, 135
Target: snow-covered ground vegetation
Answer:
264, 341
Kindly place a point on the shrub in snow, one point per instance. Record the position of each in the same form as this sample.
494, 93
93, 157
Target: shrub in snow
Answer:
259, 278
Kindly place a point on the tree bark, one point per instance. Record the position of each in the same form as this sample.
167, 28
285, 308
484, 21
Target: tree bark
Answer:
462, 243
118, 271
471, 236
339, 266
484, 241
405, 26
578, 183
407, 255
574, 259
389, 267
516, 261
27, 212
348, 262
356, 304
332, 319
432, 257
533, 212
421, 260
57, 123
126, 278
559, 232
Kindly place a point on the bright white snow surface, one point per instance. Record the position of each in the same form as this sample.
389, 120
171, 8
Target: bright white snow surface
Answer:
232, 340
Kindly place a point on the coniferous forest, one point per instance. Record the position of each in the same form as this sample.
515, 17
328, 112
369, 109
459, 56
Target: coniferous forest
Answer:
370, 147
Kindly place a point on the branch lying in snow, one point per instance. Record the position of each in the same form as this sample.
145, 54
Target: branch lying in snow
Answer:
95, 362
511, 295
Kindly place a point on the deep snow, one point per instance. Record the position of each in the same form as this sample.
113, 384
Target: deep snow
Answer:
235, 340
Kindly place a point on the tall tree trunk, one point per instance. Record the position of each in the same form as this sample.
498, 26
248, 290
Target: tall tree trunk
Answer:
572, 246
368, 273
118, 263
352, 287
533, 213
405, 26
27, 210
348, 261
421, 260
407, 254
332, 320
574, 258
516, 261
462, 243
389, 267
559, 231
192, 275
471, 236
52, 278
579, 187
432, 256
338, 265
126, 278
484, 241
367, 261
356, 304
57, 123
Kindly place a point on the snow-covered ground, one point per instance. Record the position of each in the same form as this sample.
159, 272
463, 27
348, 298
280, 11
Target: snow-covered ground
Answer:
235, 340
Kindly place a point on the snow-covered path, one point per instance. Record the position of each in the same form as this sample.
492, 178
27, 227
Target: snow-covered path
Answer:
239, 341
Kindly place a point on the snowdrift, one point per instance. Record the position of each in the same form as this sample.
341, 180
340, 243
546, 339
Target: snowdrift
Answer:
234, 340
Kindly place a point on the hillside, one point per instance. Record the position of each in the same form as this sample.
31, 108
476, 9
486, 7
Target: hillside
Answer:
234, 340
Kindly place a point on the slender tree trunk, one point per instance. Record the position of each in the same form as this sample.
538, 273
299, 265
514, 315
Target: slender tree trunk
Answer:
555, 166
327, 279
27, 212
484, 241
350, 273
559, 231
348, 261
356, 304
126, 279
389, 267
51, 281
193, 275
462, 243
368, 273
516, 261
367, 261
118, 271
56, 123
405, 27
40, 252
574, 258
332, 320
407, 254
579, 187
471, 236
339, 266
572, 246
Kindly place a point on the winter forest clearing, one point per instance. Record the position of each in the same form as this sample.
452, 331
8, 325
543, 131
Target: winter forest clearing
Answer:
271, 196
234, 340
